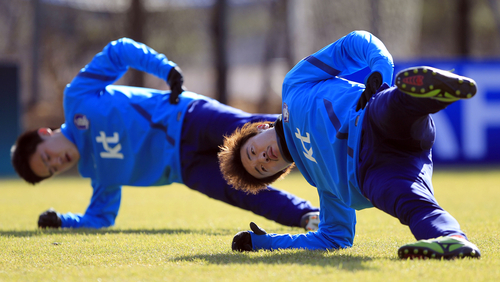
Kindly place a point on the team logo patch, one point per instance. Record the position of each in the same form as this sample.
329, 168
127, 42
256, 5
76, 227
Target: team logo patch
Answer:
81, 121
286, 114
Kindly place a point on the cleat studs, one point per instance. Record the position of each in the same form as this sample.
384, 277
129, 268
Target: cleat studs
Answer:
413, 89
472, 84
406, 251
404, 85
433, 255
473, 253
457, 92
422, 90
415, 251
425, 252
460, 81
415, 71
433, 73
406, 73
424, 70
460, 255
431, 87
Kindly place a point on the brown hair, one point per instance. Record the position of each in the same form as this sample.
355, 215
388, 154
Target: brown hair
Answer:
21, 153
231, 166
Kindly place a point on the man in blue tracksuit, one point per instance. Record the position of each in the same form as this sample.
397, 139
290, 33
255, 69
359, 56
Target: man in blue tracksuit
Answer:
121, 135
359, 151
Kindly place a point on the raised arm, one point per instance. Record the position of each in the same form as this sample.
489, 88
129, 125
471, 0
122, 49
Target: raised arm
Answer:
349, 54
101, 212
112, 63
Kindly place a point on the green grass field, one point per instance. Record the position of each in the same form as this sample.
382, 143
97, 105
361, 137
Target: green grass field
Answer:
176, 234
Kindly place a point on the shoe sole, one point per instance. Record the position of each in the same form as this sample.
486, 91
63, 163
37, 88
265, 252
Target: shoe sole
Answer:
428, 82
419, 252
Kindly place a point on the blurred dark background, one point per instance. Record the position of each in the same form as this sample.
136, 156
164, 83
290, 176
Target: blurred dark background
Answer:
236, 51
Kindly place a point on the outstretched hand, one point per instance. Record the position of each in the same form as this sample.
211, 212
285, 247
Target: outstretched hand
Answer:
49, 219
373, 83
242, 241
175, 81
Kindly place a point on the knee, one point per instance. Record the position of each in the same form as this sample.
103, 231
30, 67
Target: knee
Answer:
404, 200
424, 131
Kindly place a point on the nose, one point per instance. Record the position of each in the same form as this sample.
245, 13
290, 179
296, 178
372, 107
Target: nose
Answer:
263, 157
55, 161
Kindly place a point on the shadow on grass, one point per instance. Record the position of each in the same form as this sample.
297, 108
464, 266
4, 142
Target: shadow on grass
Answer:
316, 258
90, 231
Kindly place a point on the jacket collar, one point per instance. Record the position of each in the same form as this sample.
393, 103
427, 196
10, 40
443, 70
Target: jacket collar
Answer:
280, 136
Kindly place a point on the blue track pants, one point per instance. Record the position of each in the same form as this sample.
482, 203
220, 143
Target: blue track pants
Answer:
395, 167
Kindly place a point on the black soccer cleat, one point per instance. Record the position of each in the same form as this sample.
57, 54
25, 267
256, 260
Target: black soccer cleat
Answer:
428, 82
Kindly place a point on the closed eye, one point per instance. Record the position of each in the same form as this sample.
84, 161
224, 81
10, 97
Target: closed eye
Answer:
46, 163
263, 169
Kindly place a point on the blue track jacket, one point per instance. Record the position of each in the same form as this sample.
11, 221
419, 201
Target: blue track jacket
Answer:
115, 127
322, 131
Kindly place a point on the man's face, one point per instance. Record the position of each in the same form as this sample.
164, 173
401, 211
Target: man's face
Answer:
54, 155
261, 156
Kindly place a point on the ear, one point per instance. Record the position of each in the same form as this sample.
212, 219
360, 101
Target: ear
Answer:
263, 126
43, 132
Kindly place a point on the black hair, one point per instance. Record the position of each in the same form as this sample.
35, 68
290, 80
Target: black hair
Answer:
21, 153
